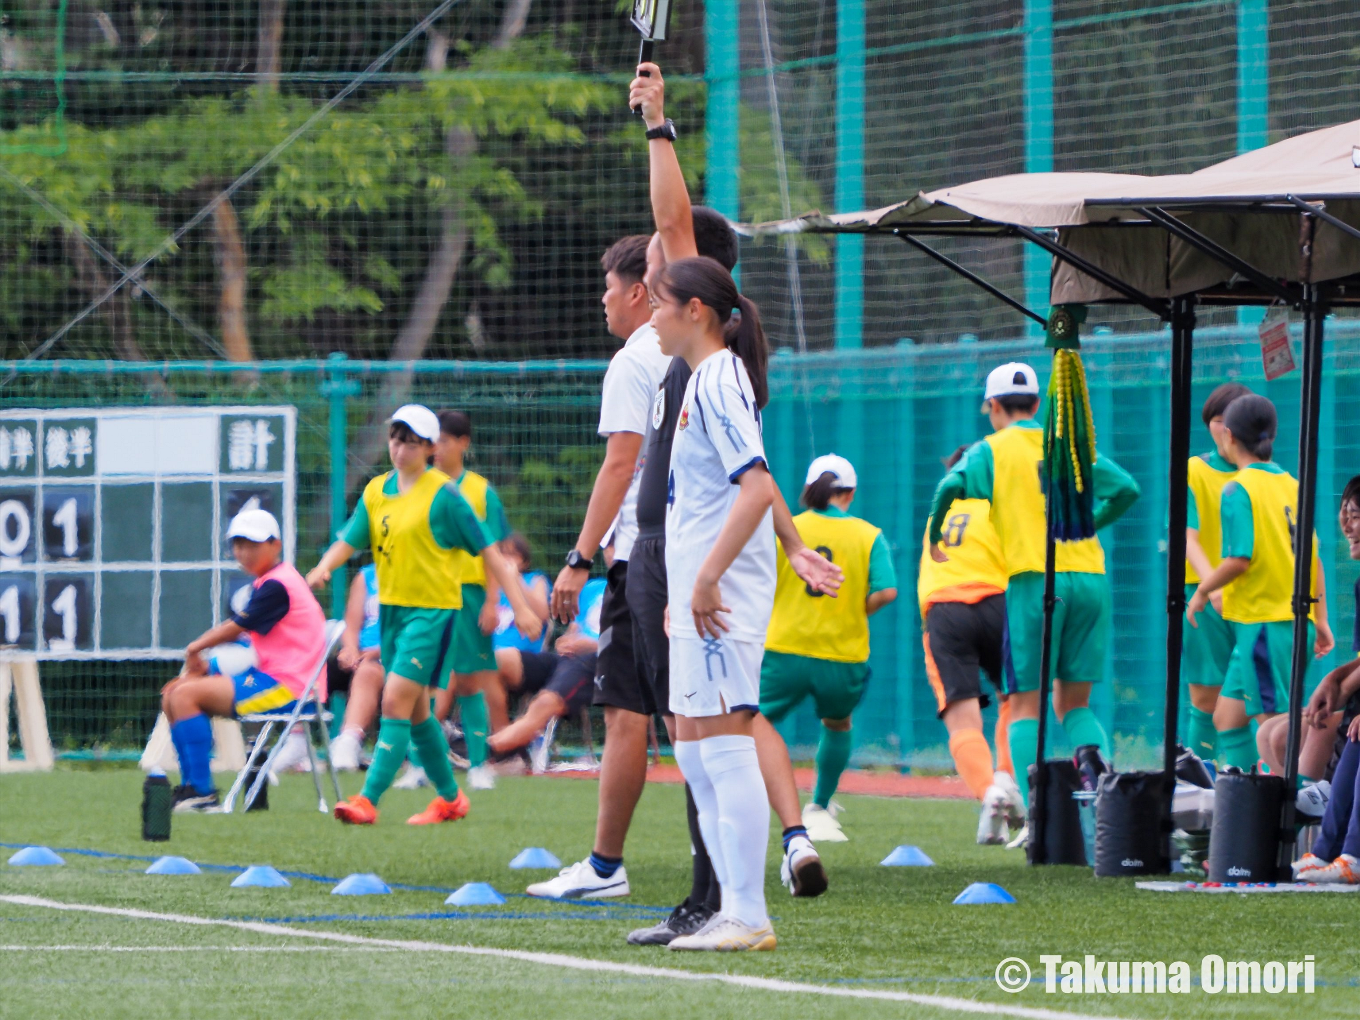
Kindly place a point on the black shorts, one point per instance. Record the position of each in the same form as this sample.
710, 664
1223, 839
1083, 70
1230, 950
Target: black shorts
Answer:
570, 677
618, 682
962, 639
647, 601
337, 677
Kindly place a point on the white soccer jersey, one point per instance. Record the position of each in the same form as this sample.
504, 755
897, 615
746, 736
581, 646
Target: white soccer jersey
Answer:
630, 385
717, 439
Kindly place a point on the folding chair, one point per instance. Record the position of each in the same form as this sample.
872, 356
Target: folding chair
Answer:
308, 711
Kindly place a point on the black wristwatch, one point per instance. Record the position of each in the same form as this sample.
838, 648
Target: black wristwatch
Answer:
666, 130
578, 562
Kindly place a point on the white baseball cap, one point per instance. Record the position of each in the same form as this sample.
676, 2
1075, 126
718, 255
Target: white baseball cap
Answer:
836, 465
256, 525
1014, 377
419, 419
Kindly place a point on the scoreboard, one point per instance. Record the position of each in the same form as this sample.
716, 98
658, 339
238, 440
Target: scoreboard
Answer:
112, 523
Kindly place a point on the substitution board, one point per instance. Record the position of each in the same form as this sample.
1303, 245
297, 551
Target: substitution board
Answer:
112, 523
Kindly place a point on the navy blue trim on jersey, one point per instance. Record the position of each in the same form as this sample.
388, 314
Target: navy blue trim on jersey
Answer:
745, 708
737, 378
267, 606
746, 467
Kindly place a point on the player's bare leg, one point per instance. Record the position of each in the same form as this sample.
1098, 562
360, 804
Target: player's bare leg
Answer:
545, 706
361, 712
623, 774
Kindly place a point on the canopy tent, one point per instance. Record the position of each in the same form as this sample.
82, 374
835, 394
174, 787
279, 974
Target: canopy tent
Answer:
1275, 225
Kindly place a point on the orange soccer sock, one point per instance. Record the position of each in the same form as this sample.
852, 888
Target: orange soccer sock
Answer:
973, 758
1001, 737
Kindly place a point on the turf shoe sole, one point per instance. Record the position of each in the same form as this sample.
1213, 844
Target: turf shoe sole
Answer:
801, 870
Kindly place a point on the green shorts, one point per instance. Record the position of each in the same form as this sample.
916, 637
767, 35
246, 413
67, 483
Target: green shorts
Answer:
1081, 629
1258, 674
416, 642
472, 650
1208, 646
785, 680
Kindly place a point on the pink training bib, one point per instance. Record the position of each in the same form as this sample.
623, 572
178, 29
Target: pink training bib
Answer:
289, 652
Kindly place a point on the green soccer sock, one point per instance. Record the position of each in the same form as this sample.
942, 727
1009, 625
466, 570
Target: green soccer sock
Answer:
1202, 736
1237, 748
432, 754
476, 723
389, 751
1024, 740
1083, 728
833, 754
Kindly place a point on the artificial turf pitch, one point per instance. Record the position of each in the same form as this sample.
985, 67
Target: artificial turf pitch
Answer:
877, 930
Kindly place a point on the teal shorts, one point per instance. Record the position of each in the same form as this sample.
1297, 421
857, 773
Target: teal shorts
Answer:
836, 688
472, 650
1081, 629
416, 643
1207, 647
1258, 674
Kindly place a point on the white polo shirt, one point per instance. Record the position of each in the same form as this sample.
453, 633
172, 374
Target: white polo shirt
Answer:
630, 385
717, 440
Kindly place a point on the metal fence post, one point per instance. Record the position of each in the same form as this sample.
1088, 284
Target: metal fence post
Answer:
336, 388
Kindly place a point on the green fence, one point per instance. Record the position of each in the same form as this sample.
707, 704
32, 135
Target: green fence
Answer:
895, 411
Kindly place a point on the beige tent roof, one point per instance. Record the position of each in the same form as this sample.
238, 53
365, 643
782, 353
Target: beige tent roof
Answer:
1242, 204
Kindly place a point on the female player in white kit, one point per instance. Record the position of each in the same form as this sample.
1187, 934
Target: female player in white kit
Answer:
720, 568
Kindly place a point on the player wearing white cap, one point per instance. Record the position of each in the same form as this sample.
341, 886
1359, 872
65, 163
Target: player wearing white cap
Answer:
415, 520
818, 646
286, 628
1004, 468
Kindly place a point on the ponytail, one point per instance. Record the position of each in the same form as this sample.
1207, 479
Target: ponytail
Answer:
817, 495
709, 281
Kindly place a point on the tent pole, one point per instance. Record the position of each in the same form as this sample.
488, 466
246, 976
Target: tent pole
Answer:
1156, 306
972, 278
1182, 361
1310, 404
1218, 253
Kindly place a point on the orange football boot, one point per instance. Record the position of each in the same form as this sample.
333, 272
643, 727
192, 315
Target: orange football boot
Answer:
356, 810
441, 810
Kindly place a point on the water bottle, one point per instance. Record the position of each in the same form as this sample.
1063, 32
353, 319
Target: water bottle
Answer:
157, 803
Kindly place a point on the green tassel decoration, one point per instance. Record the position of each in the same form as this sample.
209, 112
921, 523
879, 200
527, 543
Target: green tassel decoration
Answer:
1069, 431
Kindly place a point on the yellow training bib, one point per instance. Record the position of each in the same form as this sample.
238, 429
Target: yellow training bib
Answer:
1018, 508
1206, 484
413, 569
1265, 593
975, 568
810, 624
471, 569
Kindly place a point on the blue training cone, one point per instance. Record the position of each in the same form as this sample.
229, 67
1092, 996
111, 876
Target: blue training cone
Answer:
984, 892
174, 866
476, 894
907, 857
535, 857
261, 875
361, 884
35, 856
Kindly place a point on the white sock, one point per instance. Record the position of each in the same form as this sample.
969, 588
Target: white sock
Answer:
691, 761
356, 732
743, 824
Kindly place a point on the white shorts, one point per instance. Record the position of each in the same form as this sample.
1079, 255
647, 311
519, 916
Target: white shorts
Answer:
714, 676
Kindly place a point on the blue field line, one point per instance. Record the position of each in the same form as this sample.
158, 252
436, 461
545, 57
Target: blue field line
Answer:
627, 908
437, 915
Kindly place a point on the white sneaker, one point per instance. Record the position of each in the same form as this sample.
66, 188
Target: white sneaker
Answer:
293, 755
801, 869
412, 779
1020, 841
1015, 804
480, 777
345, 752
993, 829
821, 824
726, 934
1345, 870
1306, 865
1312, 800
581, 882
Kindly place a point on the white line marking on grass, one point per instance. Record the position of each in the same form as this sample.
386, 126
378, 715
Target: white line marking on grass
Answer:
570, 962
197, 949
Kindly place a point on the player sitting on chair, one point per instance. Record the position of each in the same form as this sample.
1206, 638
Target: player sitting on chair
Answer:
286, 629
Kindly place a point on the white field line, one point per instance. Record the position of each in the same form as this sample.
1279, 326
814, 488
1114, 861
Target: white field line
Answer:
561, 960
105, 948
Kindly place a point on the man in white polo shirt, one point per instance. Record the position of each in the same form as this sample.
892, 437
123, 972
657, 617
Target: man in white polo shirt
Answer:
630, 386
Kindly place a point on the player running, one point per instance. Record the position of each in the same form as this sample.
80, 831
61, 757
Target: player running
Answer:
1208, 647
1256, 575
1004, 468
360, 653
819, 647
963, 616
415, 520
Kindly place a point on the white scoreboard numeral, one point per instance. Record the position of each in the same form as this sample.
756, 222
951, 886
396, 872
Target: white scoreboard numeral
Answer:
9, 611
64, 605
12, 545
65, 519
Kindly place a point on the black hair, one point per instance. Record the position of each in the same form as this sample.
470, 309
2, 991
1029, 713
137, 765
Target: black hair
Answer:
819, 494
627, 258
403, 433
522, 548
1252, 421
1351, 493
956, 456
706, 279
714, 236
1220, 399
1018, 402
456, 424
